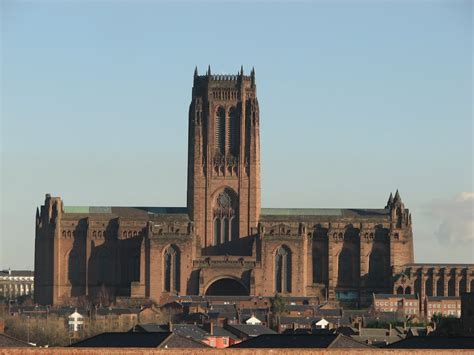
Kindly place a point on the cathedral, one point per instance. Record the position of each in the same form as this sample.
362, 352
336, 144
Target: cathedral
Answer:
223, 242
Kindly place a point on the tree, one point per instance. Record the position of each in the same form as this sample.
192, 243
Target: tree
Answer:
278, 305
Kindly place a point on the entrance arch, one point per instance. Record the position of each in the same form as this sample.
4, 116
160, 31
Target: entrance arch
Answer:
227, 286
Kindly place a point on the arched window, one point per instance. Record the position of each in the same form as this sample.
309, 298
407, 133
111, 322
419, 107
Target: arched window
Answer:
225, 230
462, 285
233, 132
399, 217
171, 269
345, 267
408, 290
226, 217
73, 267
451, 287
219, 135
217, 230
400, 290
283, 270
429, 286
234, 225
440, 287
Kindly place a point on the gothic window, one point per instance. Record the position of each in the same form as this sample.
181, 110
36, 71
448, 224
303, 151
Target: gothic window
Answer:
429, 286
451, 287
234, 225
226, 222
283, 270
73, 267
233, 132
400, 290
462, 286
225, 230
440, 287
345, 267
399, 217
408, 290
219, 135
171, 269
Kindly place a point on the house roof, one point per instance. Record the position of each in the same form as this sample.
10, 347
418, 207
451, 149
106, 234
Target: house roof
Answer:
10, 342
434, 342
191, 331
123, 340
442, 298
387, 296
249, 330
19, 273
321, 341
151, 328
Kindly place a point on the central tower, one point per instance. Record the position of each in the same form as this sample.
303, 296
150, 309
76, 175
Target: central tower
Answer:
223, 196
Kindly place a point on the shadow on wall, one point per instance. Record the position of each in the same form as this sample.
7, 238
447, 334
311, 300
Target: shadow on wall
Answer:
240, 247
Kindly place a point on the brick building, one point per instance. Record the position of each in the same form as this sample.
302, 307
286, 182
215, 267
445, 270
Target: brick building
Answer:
404, 305
222, 242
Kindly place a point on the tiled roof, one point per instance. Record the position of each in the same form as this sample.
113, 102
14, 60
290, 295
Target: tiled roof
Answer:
190, 330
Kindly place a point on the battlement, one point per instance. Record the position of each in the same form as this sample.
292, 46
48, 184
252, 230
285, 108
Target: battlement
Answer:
224, 80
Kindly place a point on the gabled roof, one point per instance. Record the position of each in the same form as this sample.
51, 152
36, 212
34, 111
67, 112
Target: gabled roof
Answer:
249, 330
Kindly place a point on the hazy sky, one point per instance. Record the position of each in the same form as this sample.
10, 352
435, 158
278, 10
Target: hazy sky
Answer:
357, 99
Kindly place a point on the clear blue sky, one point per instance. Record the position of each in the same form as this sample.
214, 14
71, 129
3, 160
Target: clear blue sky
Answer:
357, 99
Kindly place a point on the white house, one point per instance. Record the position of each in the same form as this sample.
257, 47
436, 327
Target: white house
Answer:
76, 322
322, 324
253, 321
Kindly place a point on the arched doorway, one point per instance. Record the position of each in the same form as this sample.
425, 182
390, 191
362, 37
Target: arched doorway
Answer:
227, 287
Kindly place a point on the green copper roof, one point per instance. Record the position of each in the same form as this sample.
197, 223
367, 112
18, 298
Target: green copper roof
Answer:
87, 209
302, 211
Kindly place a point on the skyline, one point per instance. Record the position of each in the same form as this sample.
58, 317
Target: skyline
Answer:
105, 125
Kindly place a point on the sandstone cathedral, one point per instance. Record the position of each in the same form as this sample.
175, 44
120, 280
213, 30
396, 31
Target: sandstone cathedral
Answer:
223, 242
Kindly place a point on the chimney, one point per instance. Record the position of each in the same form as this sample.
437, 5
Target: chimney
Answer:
9, 271
170, 326
360, 328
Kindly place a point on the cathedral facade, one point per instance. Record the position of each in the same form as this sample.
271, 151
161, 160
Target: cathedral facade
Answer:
223, 242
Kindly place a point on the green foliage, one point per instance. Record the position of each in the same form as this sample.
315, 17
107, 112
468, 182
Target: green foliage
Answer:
278, 305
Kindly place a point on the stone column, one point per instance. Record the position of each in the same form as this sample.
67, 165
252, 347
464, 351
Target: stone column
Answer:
445, 282
457, 279
435, 285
